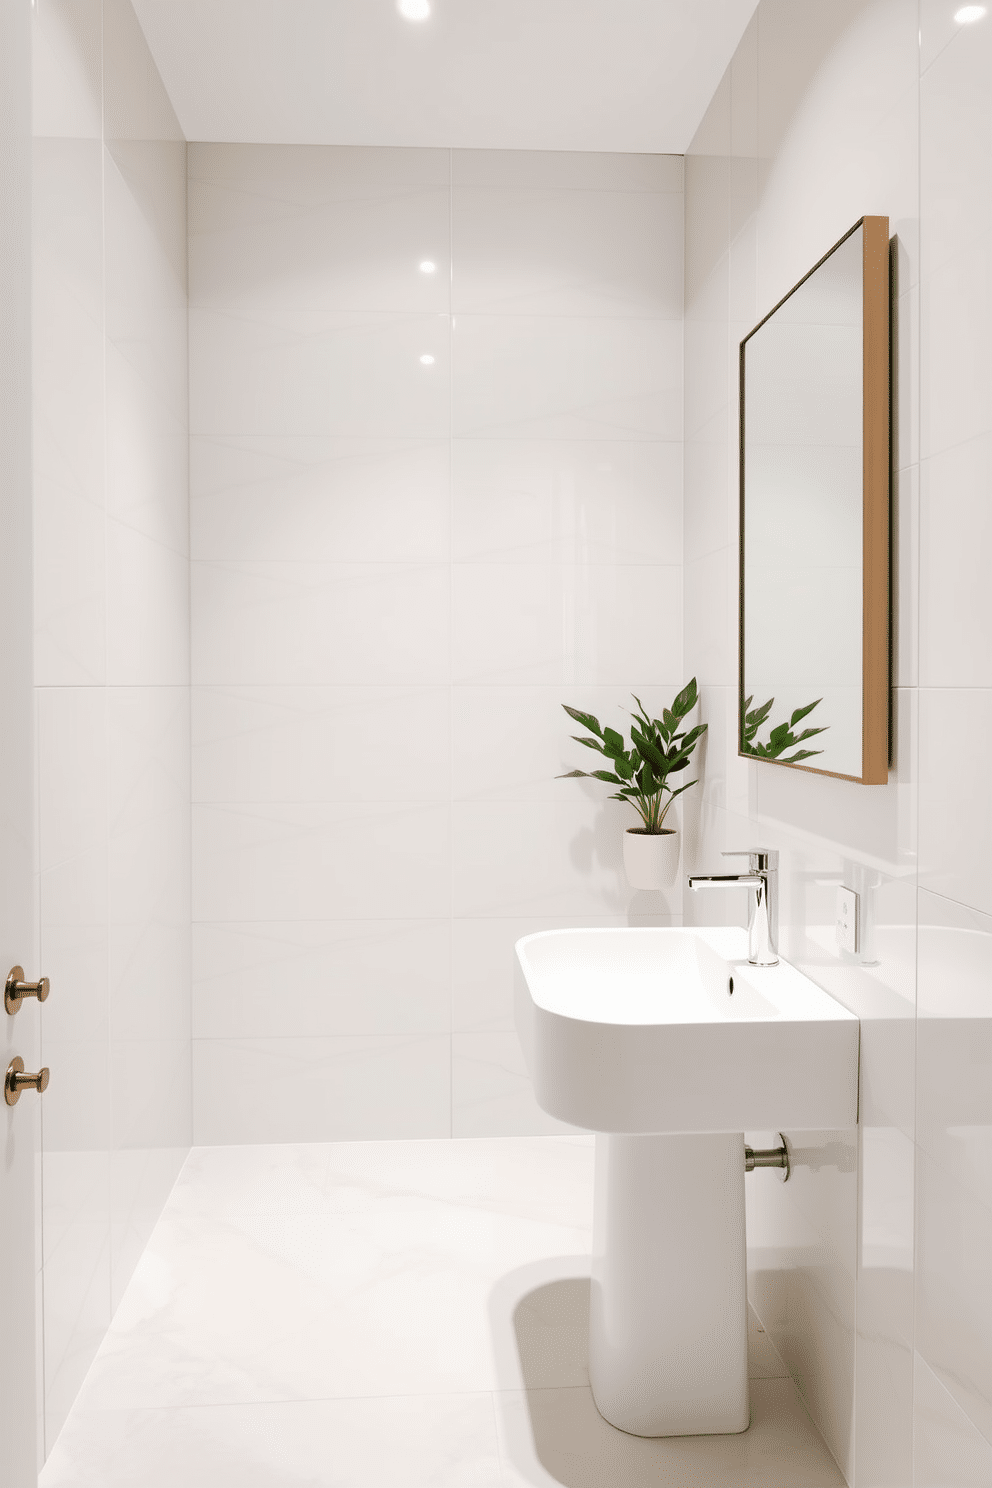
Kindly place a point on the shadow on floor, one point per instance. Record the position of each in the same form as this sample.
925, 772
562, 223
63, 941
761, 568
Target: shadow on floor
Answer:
551, 1432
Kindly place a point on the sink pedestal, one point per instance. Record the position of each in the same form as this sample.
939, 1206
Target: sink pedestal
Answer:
668, 1312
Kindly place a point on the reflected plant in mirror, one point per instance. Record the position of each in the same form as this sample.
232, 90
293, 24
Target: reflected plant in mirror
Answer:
814, 515
781, 736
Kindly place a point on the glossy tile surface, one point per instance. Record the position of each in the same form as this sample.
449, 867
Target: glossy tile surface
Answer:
420, 1312
401, 570
111, 662
819, 115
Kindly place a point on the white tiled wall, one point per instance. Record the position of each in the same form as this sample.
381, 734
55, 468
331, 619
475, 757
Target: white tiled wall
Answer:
400, 572
870, 1268
111, 661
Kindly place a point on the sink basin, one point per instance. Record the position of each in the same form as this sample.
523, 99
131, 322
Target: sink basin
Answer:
635, 1030
668, 1045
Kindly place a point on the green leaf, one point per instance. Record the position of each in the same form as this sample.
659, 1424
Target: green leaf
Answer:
801, 712
588, 743
586, 719
808, 734
606, 775
683, 788
614, 742
760, 714
574, 775
686, 700
689, 739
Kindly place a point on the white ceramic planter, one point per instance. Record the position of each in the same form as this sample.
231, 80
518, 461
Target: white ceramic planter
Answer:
651, 859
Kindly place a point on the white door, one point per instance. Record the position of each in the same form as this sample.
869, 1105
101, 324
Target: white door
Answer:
19, 1125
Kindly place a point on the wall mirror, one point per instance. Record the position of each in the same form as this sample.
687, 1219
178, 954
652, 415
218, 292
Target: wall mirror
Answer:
814, 556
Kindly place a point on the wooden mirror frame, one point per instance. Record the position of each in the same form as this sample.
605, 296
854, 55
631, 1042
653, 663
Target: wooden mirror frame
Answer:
875, 509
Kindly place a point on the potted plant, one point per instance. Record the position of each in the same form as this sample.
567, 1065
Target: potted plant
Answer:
659, 748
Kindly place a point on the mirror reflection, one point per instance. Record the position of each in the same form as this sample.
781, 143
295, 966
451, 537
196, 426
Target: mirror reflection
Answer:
802, 555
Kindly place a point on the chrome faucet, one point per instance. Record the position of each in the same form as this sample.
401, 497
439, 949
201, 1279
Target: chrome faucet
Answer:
762, 877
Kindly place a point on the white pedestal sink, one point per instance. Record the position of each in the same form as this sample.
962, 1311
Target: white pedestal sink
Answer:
669, 1046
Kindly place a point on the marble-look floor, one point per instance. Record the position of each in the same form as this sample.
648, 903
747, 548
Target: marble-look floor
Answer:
386, 1315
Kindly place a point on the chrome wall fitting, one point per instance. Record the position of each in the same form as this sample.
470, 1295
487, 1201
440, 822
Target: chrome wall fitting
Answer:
769, 1157
17, 1080
16, 989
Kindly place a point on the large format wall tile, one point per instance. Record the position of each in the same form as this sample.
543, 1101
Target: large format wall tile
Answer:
320, 623
537, 251
309, 861
386, 618
111, 607
320, 1089
256, 498
956, 794
566, 377
948, 1448
69, 434
954, 1132
580, 626
353, 977
544, 502
283, 743
318, 374
282, 228
814, 125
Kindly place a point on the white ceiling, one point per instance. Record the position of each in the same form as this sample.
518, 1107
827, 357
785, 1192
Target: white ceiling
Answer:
510, 74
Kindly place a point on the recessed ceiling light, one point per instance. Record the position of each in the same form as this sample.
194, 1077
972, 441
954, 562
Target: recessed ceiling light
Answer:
427, 360
969, 13
427, 266
414, 10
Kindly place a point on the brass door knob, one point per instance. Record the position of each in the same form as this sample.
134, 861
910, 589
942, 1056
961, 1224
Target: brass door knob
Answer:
17, 989
17, 1080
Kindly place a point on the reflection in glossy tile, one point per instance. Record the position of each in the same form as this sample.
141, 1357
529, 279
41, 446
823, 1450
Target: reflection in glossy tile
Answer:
321, 374
318, 228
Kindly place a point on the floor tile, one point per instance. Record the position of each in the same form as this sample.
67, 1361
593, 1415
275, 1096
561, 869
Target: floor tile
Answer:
387, 1315
422, 1442
557, 1437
